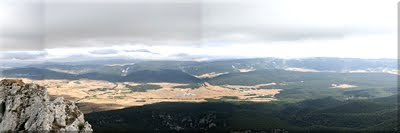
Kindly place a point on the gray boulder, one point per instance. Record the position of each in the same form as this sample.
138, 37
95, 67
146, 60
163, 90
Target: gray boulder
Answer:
27, 107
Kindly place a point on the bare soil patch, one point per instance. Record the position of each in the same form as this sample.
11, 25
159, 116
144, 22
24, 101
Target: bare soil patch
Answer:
210, 75
343, 86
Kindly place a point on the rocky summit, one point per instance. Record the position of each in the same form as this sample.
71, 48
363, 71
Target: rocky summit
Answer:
27, 107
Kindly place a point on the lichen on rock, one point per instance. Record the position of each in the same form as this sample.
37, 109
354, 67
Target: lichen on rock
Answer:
27, 107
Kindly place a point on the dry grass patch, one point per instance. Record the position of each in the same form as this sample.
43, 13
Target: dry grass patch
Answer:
210, 75
96, 95
248, 87
296, 69
342, 86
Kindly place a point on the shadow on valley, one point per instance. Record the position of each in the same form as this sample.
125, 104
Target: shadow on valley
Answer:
325, 114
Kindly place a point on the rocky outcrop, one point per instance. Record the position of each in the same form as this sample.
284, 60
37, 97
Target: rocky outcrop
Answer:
27, 107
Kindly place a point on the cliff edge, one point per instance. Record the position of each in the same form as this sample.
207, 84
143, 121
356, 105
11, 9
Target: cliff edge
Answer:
27, 107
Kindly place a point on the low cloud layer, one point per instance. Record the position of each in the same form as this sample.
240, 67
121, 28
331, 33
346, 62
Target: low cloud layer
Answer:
23, 55
104, 52
139, 50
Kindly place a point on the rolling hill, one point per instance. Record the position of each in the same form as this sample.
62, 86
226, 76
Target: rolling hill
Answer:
164, 75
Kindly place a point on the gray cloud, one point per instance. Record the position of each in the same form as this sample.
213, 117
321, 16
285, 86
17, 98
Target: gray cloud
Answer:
23, 55
185, 56
23, 29
182, 55
139, 50
59, 24
138, 22
265, 21
104, 52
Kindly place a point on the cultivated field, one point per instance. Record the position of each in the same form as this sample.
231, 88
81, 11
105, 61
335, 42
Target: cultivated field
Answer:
96, 95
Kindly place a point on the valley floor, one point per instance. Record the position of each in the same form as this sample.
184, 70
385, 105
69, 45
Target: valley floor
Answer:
97, 95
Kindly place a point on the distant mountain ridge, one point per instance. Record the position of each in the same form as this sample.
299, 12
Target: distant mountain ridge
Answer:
239, 71
121, 67
164, 75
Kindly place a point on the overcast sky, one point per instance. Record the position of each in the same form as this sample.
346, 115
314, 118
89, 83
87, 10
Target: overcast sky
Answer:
196, 29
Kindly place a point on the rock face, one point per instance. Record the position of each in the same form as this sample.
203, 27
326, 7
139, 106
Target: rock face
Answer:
27, 107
